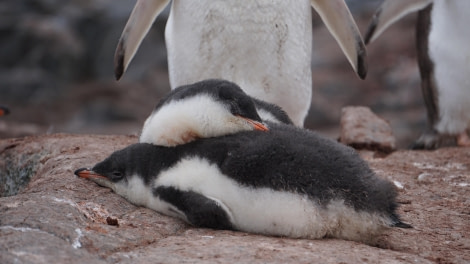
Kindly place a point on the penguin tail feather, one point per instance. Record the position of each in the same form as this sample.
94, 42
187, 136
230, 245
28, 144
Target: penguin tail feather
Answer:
398, 223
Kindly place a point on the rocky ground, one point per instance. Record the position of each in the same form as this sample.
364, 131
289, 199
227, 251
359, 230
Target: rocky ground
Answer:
60, 218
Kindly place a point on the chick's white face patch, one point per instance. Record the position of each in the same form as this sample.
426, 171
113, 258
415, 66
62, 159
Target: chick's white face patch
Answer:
182, 121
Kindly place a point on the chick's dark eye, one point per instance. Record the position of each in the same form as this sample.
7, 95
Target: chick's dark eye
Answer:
117, 174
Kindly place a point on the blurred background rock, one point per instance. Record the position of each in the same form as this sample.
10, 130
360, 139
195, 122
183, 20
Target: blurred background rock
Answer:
56, 71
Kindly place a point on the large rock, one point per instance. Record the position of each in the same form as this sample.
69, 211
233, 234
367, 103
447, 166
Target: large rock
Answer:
362, 129
60, 218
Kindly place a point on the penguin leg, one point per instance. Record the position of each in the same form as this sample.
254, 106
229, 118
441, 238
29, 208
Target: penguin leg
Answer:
200, 210
430, 138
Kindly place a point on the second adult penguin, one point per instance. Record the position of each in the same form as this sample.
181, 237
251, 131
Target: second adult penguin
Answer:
442, 42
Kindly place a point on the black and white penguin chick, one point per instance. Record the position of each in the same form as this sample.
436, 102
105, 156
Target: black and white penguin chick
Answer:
205, 109
4, 110
282, 182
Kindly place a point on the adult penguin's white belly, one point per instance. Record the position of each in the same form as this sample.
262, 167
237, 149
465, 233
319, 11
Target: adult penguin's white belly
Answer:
449, 50
263, 46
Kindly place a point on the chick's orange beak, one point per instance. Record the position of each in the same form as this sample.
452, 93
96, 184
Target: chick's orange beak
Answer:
256, 125
259, 126
88, 174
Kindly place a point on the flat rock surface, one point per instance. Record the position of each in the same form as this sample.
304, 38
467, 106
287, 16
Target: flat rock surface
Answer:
60, 218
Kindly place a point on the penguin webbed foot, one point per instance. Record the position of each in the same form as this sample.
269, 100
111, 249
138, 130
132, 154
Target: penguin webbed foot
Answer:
431, 140
200, 210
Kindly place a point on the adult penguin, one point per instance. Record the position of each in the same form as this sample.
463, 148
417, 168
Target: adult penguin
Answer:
444, 61
263, 46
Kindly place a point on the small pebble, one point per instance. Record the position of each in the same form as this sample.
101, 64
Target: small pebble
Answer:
112, 221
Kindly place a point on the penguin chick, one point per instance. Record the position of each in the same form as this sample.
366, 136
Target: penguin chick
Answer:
4, 110
282, 182
204, 109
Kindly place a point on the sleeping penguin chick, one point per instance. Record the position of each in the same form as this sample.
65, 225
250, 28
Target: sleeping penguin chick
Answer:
204, 109
282, 182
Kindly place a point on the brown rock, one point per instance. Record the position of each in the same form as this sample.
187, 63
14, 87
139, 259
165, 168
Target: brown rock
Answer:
60, 218
362, 129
